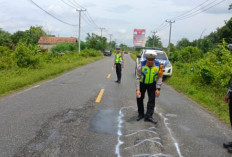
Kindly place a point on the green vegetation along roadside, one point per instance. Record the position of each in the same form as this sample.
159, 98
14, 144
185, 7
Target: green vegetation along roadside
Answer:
209, 97
12, 80
27, 65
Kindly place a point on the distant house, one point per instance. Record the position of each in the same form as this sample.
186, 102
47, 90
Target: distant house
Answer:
48, 42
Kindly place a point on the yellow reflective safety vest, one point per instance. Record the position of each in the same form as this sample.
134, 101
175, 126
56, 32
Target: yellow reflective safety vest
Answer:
118, 58
149, 75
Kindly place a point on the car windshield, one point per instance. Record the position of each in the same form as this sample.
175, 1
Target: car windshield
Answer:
161, 56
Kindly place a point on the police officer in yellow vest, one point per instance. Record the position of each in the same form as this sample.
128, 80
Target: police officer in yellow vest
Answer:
118, 64
149, 78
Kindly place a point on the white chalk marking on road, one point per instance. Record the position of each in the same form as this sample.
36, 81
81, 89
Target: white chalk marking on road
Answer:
171, 115
151, 128
170, 132
146, 140
150, 155
144, 130
120, 121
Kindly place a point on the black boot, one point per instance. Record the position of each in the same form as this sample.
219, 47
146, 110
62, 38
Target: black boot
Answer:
139, 117
227, 144
150, 119
229, 149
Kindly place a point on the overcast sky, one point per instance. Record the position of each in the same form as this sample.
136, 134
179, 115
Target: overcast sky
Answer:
118, 17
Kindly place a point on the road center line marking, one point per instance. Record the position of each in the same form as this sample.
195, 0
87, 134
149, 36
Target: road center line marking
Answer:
99, 96
109, 75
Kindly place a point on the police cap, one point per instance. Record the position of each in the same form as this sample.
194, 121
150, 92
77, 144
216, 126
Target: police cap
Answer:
150, 56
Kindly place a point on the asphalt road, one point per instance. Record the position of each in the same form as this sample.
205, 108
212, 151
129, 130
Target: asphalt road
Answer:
60, 117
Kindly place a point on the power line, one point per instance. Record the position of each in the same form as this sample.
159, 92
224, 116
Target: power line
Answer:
75, 2
196, 13
68, 4
183, 14
193, 12
199, 10
51, 14
160, 26
89, 17
163, 27
86, 17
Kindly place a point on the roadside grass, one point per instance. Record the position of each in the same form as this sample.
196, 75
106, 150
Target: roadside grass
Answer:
134, 55
210, 98
15, 79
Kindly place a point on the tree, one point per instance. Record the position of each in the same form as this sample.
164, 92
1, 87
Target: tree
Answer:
123, 47
112, 45
5, 38
230, 7
17, 36
172, 47
225, 32
190, 54
154, 41
205, 44
184, 42
96, 42
30, 36
213, 37
33, 34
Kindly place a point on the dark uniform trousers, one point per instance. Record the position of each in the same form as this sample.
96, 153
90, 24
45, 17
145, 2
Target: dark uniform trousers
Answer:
150, 88
118, 71
230, 108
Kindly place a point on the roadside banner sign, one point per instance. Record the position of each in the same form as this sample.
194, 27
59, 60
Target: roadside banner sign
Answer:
139, 39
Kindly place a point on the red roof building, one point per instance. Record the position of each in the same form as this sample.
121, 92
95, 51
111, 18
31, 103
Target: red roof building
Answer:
48, 42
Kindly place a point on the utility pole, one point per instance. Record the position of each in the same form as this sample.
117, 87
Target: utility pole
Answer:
200, 36
170, 32
101, 30
154, 38
79, 35
110, 40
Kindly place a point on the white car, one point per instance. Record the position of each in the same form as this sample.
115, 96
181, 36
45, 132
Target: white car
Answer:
161, 58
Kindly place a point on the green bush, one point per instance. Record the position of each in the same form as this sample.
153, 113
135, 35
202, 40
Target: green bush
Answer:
214, 69
64, 47
25, 57
6, 59
207, 76
90, 53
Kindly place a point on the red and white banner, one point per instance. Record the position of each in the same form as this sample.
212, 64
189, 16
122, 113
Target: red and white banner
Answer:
139, 38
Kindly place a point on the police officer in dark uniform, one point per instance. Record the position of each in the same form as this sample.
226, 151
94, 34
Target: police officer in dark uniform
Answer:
149, 78
119, 64
228, 99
